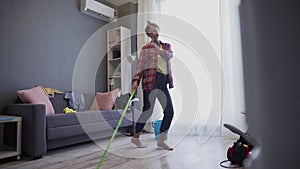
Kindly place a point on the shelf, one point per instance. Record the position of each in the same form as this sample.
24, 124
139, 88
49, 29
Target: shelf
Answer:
118, 67
115, 77
5, 154
8, 151
6, 148
6, 119
114, 60
114, 45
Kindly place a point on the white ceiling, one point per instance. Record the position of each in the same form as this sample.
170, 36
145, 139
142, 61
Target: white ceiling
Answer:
121, 2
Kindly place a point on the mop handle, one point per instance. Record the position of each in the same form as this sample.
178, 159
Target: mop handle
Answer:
116, 130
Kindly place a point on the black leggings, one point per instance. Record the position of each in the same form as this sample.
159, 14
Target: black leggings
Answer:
160, 92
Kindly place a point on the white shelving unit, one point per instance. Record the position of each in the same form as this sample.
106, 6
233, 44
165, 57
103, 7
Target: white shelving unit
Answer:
118, 62
7, 150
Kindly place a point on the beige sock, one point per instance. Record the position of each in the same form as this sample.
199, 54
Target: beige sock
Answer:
138, 143
161, 142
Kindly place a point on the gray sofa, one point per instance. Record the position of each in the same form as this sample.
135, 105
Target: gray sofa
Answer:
41, 133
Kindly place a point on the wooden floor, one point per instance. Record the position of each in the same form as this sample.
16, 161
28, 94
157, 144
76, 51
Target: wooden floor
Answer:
188, 154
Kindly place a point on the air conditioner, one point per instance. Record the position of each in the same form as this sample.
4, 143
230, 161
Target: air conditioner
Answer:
98, 10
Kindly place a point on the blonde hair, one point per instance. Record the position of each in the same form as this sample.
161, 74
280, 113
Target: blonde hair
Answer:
150, 25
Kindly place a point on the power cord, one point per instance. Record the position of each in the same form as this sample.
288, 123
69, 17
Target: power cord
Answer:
232, 166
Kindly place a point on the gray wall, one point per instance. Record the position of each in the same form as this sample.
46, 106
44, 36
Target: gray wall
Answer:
125, 10
39, 44
272, 80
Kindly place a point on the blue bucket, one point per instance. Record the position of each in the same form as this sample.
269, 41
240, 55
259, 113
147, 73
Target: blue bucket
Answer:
156, 125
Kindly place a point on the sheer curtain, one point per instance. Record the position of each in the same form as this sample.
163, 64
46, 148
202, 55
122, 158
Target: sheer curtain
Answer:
208, 85
196, 53
234, 100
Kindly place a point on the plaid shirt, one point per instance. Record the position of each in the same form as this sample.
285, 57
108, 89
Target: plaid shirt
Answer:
147, 65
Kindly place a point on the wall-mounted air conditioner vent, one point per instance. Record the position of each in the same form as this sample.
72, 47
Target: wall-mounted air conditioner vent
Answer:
98, 10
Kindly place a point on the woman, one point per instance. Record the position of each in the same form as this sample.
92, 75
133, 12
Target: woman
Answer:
154, 68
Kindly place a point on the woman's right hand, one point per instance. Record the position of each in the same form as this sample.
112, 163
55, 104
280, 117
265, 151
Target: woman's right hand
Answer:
134, 85
155, 45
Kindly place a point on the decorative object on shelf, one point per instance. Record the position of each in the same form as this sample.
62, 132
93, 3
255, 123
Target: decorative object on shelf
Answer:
131, 58
112, 82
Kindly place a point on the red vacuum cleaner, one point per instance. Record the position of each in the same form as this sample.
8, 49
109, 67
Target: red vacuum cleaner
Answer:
240, 150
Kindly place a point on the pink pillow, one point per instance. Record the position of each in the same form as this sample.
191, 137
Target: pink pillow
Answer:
36, 95
105, 101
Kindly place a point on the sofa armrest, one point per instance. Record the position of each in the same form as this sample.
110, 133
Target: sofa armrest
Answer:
33, 127
134, 108
134, 103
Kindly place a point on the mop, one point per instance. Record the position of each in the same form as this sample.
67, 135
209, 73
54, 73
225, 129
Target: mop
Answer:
116, 130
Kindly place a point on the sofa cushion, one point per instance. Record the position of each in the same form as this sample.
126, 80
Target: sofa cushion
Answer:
59, 120
59, 103
61, 126
36, 95
122, 101
105, 101
64, 132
